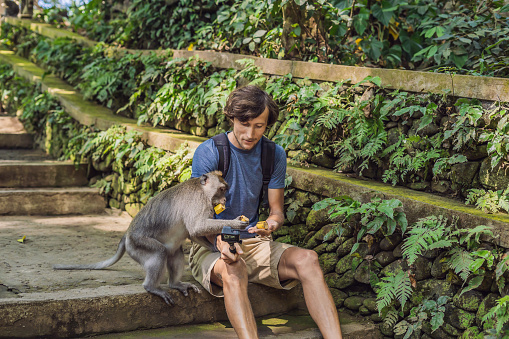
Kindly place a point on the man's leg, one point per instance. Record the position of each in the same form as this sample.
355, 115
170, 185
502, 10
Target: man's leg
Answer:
233, 278
301, 264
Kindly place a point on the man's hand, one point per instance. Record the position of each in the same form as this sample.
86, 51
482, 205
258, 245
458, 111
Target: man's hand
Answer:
227, 256
272, 226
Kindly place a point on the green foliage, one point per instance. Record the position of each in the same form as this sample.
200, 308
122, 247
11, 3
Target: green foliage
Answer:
464, 257
96, 22
376, 217
431, 310
62, 57
500, 315
498, 139
388, 33
489, 201
392, 290
426, 234
463, 131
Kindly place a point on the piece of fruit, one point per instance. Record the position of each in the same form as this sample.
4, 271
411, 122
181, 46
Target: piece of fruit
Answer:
262, 225
219, 208
244, 218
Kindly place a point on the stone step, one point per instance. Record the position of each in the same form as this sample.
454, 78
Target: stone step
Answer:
50, 201
21, 140
294, 324
37, 301
23, 174
13, 134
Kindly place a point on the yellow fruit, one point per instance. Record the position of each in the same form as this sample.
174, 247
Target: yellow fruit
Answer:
262, 225
219, 208
244, 218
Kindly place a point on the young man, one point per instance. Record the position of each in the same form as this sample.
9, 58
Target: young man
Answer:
258, 259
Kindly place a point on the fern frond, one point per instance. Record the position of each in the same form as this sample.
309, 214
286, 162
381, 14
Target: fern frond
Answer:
460, 262
427, 233
403, 289
391, 318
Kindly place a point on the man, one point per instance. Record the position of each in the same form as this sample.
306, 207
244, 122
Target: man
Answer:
258, 259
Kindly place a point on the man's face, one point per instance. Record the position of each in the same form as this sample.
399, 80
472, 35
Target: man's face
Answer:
247, 134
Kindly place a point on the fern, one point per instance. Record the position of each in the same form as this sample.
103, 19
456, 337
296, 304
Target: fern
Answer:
499, 314
460, 262
489, 201
393, 288
427, 233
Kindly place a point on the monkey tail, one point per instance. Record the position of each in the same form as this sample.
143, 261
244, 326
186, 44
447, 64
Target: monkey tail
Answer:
100, 265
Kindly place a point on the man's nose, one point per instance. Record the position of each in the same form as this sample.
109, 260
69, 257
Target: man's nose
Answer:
250, 133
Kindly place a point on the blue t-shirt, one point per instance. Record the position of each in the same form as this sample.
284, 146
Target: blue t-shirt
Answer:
244, 177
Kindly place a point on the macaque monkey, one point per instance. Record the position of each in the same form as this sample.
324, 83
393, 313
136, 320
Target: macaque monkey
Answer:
155, 236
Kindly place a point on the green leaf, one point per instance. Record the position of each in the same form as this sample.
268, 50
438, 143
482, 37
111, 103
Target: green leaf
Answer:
297, 31
440, 31
429, 33
384, 16
425, 121
436, 321
259, 33
473, 284
361, 21
432, 51
459, 60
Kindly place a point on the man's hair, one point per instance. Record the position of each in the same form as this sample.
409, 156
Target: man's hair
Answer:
246, 103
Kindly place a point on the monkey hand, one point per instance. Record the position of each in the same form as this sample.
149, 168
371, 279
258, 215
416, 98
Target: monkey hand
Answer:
240, 222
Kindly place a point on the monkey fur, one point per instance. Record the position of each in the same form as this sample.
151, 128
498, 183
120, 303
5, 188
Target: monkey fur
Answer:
155, 236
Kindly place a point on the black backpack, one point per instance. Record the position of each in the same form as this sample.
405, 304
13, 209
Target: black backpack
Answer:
268, 152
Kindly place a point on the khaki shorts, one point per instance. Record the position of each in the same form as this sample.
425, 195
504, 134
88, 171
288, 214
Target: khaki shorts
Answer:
261, 256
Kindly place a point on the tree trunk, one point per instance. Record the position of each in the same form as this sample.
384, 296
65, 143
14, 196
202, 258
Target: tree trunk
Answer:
291, 15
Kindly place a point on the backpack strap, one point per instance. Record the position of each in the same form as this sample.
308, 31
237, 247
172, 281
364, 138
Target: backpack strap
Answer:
267, 162
223, 147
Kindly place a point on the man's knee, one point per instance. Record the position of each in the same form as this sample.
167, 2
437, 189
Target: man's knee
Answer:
306, 263
234, 274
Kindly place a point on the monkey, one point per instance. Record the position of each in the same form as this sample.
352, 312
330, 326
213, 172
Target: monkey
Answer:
155, 235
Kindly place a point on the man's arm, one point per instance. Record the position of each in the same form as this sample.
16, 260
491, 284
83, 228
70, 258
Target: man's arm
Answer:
276, 215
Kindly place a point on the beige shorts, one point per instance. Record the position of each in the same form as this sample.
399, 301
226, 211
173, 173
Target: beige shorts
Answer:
261, 256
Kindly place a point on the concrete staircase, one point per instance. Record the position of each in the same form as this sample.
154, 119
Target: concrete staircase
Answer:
33, 184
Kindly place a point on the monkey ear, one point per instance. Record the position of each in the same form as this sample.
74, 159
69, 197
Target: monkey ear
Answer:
203, 179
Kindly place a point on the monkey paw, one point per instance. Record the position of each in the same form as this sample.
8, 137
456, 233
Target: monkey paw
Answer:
184, 286
160, 293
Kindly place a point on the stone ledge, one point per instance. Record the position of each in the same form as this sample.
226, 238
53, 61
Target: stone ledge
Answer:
92, 114
485, 88
51, 201
319, 181
106, 309
416, 204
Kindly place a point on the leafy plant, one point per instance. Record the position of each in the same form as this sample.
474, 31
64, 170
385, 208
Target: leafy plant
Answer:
464, 255
499, 138
489, 201
393, 289
428, 309
376, 216
499, 315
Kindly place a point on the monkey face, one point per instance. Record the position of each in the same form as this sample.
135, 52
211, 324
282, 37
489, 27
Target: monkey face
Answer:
220, 196
215, 187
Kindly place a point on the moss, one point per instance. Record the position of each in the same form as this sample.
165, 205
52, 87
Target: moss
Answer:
328, 262
472, 333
